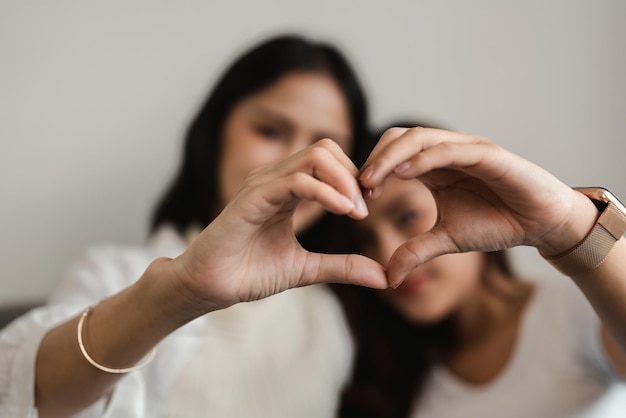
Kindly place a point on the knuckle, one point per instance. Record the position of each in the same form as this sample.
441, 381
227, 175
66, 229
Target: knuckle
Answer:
348, 267
319, 153
394, 131
299, 177
481, 140
326, 143
448, 146
417, 131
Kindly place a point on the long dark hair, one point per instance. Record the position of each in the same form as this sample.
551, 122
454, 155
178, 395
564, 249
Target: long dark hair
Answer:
393, 356
192, 198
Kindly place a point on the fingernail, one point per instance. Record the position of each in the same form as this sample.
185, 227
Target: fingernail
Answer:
397, 283
367, 174
360, 206
345, 202
401, 168
368, 193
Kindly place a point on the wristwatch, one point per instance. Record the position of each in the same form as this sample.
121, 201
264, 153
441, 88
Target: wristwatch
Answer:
595, 247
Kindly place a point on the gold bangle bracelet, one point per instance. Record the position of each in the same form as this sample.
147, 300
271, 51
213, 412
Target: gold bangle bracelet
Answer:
94, 363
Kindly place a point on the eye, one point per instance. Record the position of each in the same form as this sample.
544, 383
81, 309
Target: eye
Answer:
407, 218
270, 132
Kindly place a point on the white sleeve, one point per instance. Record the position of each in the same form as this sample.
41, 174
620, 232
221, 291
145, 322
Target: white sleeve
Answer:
97, 275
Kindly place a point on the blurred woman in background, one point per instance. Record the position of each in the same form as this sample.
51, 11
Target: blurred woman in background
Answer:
263, 158
460, 334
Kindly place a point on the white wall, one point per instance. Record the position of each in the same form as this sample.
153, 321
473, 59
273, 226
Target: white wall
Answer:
94, 98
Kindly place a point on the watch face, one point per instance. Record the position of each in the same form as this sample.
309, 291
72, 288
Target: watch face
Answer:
603, 195
610, 198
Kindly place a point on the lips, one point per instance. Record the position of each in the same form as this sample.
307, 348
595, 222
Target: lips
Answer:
415, 282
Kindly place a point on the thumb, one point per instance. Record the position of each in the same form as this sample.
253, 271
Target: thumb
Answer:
416, 251
346, 269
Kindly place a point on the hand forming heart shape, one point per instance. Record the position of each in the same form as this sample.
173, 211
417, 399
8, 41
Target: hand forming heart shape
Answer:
487, 197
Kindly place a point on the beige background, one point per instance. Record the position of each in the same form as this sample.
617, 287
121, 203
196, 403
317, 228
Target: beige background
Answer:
94, 99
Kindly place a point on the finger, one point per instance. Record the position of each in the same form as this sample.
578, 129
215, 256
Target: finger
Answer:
409, 144
343, 268
327, 162
304, 186
416, 251
388, 136
485, 161
321, 150
334, 148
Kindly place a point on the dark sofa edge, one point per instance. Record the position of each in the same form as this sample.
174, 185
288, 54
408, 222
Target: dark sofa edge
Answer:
10, 312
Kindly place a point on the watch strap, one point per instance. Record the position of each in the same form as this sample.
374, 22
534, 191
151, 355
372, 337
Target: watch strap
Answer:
591, 252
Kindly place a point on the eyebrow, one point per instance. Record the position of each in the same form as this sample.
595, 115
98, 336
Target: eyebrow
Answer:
260, 110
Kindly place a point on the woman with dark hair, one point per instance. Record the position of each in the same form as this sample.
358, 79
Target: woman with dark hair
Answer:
458, 333
191, 200
257, 170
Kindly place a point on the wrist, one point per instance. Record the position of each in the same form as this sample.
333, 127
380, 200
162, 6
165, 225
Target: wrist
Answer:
577, 226
608, 228
123, 328
163, 291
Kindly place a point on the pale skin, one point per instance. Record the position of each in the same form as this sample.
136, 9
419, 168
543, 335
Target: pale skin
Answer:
486, 199
227, 262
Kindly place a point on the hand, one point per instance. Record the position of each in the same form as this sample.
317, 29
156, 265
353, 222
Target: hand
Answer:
487, 197
250, 250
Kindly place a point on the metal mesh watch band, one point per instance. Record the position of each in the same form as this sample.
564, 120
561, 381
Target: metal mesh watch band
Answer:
595, 247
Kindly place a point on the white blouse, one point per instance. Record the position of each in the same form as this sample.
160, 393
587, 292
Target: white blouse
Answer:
558, 368
288, 355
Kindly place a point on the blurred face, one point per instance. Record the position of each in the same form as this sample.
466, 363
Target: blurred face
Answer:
269, 126
435, 289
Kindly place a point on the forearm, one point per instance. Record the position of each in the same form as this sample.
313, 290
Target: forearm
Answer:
118, 333
605, 288
605, 285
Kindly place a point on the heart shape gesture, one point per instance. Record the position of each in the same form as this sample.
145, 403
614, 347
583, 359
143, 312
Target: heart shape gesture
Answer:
487, 197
